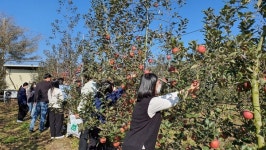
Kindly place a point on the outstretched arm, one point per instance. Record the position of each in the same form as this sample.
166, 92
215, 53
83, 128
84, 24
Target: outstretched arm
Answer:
169, 100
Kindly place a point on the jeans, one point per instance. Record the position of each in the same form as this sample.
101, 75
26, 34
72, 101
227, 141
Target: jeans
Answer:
40, 109
33, 109
30, 105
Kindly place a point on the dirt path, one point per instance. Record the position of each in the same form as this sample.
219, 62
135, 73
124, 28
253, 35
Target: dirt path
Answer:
15, 136
60, 144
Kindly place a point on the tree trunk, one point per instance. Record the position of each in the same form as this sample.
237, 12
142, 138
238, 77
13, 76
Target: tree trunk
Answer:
255, 95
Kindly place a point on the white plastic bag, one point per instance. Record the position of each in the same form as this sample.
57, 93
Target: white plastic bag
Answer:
72, 126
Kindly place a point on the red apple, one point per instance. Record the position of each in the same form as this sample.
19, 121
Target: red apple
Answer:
132, 101
155, 4
247, 85
122, 130
172, 69
128, 77
247, 114
116, 55
146, 71
138, 38
116, 144
201, 49
103, 140
125, 56
107, 37
193, 95
141, 67
195, 82
133, 48
111, 62
114, 67
150, 60
175, 50
168, 57
215, 144
139, 52
131, 54
117, 138
173, 83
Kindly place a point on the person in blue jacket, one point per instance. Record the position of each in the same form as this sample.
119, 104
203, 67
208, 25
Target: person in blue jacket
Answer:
111, 96
107, 90
22, 102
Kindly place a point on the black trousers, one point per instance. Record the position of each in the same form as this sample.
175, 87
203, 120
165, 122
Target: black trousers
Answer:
22, 111
93, 136
56, 118
89, 134
47, 123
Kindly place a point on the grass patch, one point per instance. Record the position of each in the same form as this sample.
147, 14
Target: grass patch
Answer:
16, 136
10, 139
25, 126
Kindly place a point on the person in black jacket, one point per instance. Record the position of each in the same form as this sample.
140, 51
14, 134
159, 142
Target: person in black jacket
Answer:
30, 96
41, 102
146, 117
22, 102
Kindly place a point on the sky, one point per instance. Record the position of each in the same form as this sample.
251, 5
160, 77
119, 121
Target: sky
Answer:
37, 15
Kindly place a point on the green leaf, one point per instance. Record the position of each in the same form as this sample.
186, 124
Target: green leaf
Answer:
232, 54
194, 66
249, 69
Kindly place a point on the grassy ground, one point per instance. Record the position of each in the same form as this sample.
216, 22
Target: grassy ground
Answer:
16, 136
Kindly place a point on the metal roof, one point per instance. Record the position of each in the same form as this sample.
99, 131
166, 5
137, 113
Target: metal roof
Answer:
22, 64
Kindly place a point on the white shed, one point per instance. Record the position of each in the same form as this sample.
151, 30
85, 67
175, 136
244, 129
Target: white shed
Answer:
18, 73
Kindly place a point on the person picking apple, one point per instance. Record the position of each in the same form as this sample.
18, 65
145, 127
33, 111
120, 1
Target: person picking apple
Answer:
146, 117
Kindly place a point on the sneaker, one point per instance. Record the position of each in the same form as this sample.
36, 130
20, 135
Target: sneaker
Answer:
52, 137
59, 137
19, 121
31, 131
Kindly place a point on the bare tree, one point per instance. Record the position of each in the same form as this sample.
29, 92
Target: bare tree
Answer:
14, 44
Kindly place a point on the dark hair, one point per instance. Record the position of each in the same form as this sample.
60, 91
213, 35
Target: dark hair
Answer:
31, 87
147, 86
61, 81
25, 84
47, 75
55, 83
106, 87
87, 77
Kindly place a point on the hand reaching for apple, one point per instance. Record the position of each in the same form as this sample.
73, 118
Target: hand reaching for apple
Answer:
191, 90
194, 86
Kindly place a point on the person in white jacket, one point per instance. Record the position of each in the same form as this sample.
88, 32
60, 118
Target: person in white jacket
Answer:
56, 115
89, 89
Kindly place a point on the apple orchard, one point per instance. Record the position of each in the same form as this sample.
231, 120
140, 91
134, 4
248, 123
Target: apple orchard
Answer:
123, 42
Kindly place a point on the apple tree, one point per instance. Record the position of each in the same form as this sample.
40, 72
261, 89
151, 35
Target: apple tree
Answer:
121, 36
122, 43
62, 60
230, 67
